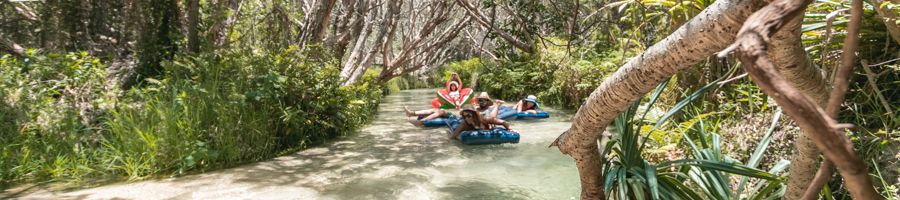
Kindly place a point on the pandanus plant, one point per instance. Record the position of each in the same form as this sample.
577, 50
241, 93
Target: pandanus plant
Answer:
704, 173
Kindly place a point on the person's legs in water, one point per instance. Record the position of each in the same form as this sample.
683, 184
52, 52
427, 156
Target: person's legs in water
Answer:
414, 117
410, 113
436, 113
435, 105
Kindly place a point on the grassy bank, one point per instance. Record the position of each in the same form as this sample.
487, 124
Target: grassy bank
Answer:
62, 120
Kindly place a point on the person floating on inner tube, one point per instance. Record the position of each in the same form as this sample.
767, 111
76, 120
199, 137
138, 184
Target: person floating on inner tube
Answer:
472, 120
487, 106
454, 96
529, 105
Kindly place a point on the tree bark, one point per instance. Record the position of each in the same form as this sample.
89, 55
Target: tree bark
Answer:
428, 54
193, 13
349, 72
751, 46
349, 29
218, 33
352, 71
317, 22
712, 29
25, 11
794, 64
836, 98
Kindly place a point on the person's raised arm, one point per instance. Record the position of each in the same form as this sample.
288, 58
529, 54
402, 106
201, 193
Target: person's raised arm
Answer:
519, 106
496, 110
457, 131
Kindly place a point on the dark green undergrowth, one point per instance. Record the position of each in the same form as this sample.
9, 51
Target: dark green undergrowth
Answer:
61, 120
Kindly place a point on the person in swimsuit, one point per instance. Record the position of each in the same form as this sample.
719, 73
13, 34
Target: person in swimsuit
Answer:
472, 120
529, 104
487, 106
453, 96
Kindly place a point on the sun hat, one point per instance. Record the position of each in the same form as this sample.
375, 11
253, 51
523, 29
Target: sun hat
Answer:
533, 99
484, 95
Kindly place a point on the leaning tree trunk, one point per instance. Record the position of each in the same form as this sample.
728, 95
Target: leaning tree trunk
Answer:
711, 30
794, 64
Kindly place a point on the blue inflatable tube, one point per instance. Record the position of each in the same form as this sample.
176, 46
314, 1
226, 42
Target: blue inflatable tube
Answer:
493, 136
527, 115
497, 135
439, 122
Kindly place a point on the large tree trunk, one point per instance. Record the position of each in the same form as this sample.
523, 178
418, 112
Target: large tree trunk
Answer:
349, 72
349, 29
708, 32
317, 22
193, 13
352, 71
794, 64
218, 33
751, 48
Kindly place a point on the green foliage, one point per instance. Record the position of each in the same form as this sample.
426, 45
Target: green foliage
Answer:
515, 79
553, 76
50, 108
469, 71
208, 111
573, 82
705, 173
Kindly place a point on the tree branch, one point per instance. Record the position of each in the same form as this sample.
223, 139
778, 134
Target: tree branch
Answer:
712, 29
839, 90
483, 20
751, 46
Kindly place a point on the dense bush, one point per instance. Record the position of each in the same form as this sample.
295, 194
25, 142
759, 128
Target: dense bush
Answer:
553, 76
207, 111
469, 71
516, 78
50, 111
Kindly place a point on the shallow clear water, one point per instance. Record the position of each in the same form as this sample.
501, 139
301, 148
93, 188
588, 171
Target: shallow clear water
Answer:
389, 159
408, 161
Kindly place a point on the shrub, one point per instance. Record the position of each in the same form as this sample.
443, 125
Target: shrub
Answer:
208, 111
469, 71
517, 78
50, 110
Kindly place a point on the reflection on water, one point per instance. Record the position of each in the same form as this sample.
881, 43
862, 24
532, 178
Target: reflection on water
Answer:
389, 159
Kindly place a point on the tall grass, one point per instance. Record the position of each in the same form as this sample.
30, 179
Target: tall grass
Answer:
61, 122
